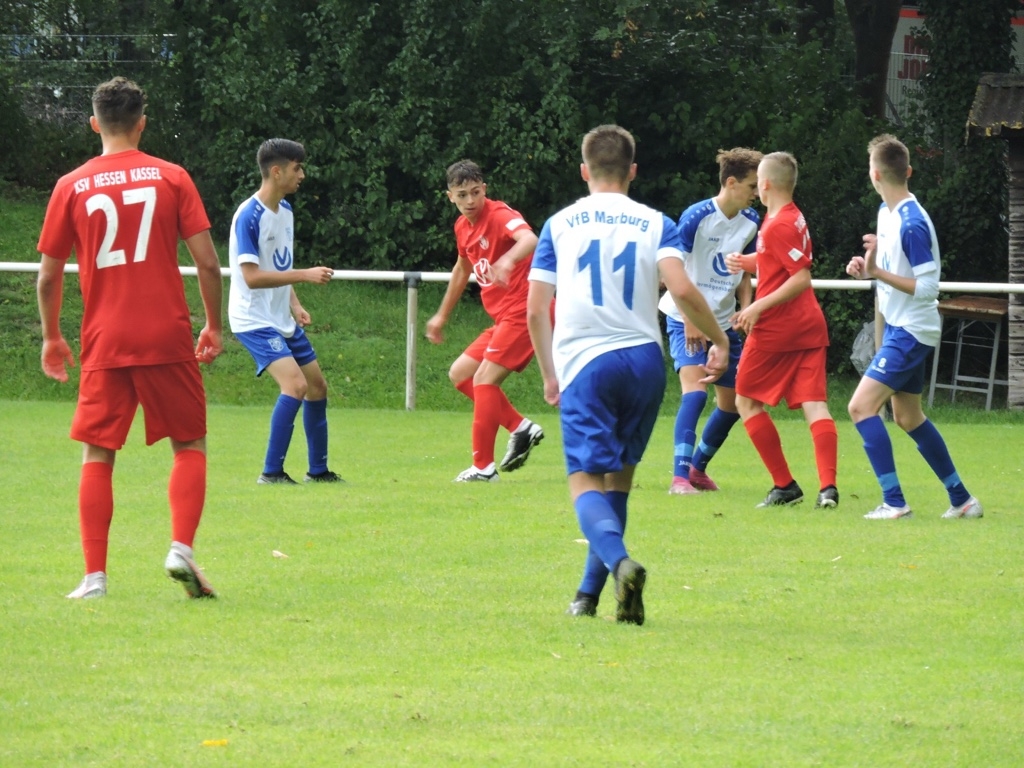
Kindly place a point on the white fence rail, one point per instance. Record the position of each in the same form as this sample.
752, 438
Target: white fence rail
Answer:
413, 280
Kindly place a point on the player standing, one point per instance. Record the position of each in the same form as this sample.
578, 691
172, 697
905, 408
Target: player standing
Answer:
603, 360
709, 230
903, 258
266, 316
122, 213
787, 338
496, 244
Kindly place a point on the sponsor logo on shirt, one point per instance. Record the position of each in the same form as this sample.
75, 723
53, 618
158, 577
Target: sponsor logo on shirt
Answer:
482, 270
719, 265
283, 261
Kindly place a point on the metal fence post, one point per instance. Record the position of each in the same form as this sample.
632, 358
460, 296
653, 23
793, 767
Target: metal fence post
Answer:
412, 281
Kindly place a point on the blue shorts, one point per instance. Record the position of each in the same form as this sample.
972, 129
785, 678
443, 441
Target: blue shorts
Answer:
267, 345
609, 409
681, 359
901, 361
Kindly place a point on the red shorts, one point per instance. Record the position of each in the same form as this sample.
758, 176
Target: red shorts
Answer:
506, 344
797, 377
172, 397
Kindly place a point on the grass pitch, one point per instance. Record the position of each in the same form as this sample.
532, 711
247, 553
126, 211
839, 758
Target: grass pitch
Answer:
419, 623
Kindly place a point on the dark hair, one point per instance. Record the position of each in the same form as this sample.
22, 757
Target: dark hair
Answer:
891, 157
462, 172
608, 151
277, 152
118, 104
737, 162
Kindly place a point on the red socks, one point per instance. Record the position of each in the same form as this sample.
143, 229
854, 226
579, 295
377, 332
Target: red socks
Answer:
95, 511
765, 438
826, 450
186, 492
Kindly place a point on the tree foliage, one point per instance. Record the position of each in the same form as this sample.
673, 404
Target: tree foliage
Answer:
386, 95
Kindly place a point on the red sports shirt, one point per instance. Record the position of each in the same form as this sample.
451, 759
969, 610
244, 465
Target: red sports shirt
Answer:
123, 214
784, 248
483, 243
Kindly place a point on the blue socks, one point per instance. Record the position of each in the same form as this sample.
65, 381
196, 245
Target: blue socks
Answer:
933, 448
685, 431
314, 421
878, 447
604, 533
282, 424
716, 429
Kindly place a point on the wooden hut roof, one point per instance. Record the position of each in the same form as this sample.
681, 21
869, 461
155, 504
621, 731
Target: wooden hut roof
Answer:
998, 108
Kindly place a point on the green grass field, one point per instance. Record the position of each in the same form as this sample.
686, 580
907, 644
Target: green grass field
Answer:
418, 623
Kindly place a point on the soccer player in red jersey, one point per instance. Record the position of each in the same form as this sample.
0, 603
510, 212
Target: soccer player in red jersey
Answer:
496, 244
122, 213
787, 338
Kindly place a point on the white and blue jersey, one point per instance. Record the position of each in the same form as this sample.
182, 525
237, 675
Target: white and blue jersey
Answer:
707, 236
601, 254
907, 246
263, 237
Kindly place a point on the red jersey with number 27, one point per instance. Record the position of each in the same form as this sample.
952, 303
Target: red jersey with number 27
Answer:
784, 248
123, 215
486, 241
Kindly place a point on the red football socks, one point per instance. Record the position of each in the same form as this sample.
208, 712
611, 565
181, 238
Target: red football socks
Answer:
95, 511
766, 440
826, 450
186, 492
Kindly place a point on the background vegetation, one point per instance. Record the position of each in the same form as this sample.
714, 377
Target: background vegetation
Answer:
386, 95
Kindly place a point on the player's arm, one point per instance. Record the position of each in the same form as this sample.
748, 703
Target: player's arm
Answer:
741, 262
298, 311
538, 321
925, 286
456, 285
50, 295
795, 284
260, 278
690, 301
211, 289
526, 243
745, 292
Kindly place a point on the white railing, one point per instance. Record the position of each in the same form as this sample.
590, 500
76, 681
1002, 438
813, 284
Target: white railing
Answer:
413, 280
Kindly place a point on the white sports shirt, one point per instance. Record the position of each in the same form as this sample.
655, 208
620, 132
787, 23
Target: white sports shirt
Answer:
261, 236
707, 236
601, 255
907, 246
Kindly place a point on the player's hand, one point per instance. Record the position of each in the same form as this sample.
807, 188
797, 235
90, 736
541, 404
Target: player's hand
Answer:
209, 345
695, 340
319, 275
551, 393
856, 268
716, 365
434, 326
870, 254
301, 316
745, 319
501, 271
734, 263
56, 355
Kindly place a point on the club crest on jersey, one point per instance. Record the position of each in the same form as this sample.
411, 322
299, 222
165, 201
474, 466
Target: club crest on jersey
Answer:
283, 261
484, 244
719, 265
482, 270
276, 344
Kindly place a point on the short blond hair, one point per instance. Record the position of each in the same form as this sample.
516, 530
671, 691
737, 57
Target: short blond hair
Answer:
608, 152
891, 157
780, 168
